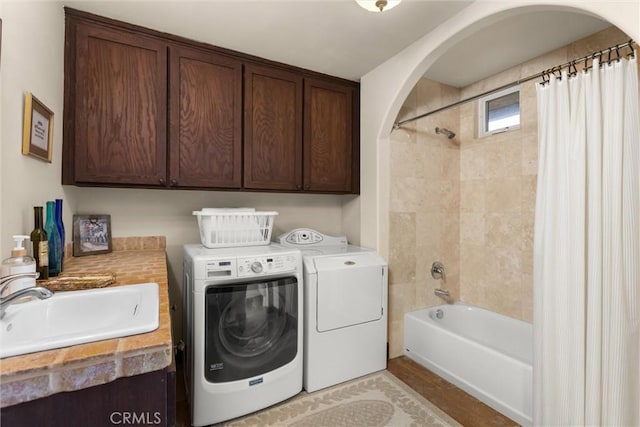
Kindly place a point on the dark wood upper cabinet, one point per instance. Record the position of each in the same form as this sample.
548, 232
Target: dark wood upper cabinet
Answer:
272, 129
328, 136
205, 119
120, 107
150, 109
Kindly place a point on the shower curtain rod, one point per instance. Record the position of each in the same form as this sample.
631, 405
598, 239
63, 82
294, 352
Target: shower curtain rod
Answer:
542, 74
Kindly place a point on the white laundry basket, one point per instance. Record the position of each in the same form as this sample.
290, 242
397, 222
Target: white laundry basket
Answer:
221, 228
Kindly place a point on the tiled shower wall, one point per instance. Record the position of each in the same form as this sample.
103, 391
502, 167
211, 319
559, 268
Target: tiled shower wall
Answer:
468, 202
424, 220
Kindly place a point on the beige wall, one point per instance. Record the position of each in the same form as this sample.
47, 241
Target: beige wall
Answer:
498, 184
489, 205
32, 60
498, 180
424, 223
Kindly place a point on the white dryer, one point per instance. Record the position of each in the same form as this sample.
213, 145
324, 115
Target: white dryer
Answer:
345, 308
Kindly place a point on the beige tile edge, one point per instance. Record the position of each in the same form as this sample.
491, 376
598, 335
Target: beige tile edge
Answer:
83, 374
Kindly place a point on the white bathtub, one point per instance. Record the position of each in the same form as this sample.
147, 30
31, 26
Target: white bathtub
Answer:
486, 354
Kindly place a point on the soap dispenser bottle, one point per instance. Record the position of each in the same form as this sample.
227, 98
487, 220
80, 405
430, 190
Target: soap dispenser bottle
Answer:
19, 262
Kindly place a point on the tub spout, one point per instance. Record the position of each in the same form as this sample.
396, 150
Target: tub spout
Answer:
444, 294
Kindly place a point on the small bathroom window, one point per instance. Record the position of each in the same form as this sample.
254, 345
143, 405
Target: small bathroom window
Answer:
499, 112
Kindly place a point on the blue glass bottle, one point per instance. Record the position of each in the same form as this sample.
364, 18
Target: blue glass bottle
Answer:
60, 225
55, 248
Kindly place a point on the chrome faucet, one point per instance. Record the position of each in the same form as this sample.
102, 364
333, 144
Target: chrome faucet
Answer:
437, 272
4, 281
444, 294
38, 292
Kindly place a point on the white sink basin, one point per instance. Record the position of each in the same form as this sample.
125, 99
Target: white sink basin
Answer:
78, 317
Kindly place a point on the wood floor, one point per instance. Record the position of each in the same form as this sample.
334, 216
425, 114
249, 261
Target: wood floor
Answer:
459, 405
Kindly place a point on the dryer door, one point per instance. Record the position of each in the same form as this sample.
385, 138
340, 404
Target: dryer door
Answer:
349, 290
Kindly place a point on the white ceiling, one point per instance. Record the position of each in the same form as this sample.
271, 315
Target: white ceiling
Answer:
510, 42
335, 37
339, 38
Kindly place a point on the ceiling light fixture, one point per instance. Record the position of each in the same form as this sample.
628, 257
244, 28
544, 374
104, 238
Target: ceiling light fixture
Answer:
377, 5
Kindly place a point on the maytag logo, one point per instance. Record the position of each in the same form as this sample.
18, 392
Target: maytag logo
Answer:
216, 366
256, 381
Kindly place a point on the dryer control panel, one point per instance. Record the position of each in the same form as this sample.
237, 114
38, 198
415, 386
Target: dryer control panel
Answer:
309, 237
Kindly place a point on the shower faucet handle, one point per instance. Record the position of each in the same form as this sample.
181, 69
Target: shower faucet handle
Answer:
437, 271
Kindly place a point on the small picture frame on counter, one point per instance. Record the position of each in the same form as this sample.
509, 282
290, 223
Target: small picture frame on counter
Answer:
91, 234
37, 134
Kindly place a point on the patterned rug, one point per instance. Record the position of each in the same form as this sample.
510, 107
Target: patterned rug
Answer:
379, 399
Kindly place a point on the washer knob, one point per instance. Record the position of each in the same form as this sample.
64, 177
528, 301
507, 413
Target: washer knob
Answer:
256, 267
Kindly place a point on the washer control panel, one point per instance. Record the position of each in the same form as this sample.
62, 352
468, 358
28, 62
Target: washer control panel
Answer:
261, 265
250, 266
220, 269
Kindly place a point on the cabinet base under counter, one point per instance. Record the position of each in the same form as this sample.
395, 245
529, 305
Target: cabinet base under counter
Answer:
146, 399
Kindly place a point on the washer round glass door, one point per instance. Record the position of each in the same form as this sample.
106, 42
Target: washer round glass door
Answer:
250, 328
252, 323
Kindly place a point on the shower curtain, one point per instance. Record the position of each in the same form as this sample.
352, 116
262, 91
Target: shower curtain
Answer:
587, 249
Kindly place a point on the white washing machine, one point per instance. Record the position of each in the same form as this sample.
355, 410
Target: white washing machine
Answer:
243, 329
345, 308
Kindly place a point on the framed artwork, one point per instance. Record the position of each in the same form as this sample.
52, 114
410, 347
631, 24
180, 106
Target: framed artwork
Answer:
91, 234
37, 135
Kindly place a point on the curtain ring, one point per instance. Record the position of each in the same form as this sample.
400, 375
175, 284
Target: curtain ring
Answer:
559, 72
609, 57
585, 68
617, 53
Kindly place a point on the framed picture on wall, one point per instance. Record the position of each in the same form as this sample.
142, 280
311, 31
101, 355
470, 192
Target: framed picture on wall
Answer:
91, 234
37, 135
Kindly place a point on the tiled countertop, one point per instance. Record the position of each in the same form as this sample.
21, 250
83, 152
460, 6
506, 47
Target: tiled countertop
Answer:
32, 376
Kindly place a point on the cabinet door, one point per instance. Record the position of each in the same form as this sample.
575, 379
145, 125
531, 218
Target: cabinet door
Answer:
205, 148
272, 129
328, 136
120, 110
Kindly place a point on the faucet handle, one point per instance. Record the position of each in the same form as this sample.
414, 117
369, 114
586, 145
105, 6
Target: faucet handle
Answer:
4, 281
437, 271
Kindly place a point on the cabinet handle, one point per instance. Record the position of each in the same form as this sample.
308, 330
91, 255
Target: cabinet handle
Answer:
174, 182
307, 187
162, 181
298, 187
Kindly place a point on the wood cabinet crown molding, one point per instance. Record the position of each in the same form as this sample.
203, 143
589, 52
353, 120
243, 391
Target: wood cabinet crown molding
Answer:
76, 14
149, 109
